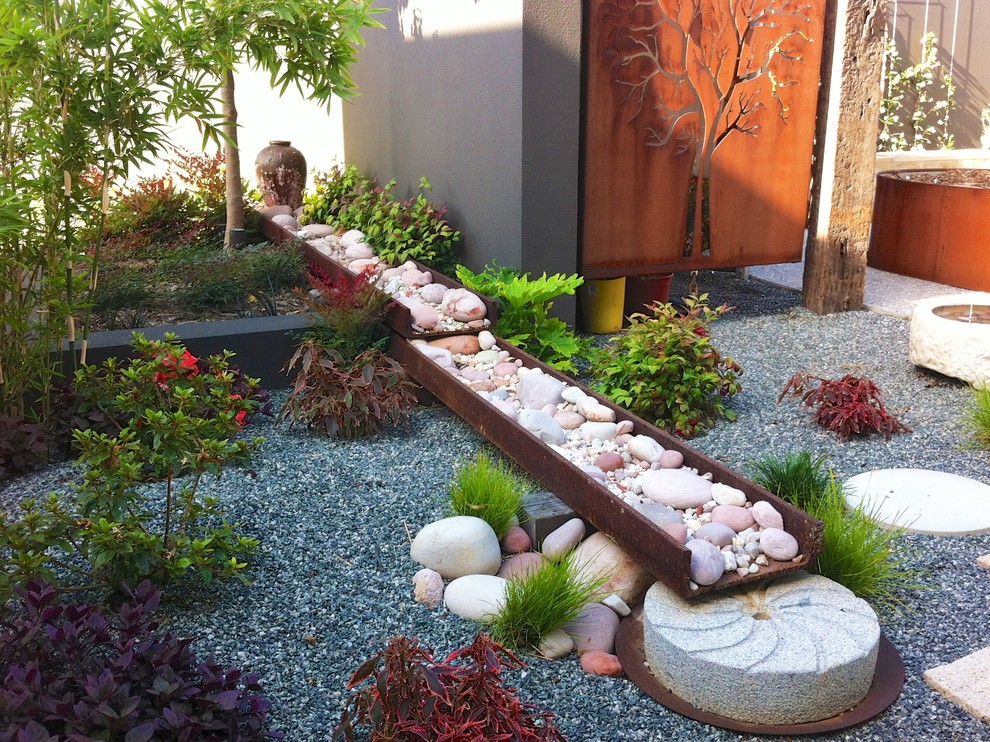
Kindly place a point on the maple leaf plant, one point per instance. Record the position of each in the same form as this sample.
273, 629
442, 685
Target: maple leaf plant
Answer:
848, 406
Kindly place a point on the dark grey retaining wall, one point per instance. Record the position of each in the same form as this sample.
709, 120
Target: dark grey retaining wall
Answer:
262, 345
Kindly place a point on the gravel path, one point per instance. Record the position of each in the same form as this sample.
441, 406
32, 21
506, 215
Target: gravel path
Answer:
332, 578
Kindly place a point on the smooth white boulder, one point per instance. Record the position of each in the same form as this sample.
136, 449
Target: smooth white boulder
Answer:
954, 348
797, 649
475, 597
458, 546
536, 391
645, 448
678, 488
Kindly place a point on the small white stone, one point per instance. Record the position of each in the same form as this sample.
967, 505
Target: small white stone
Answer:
753, 569
486, 340
618, 605
723, 494
762, 560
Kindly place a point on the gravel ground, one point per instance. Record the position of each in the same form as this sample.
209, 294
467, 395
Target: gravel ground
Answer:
332, 578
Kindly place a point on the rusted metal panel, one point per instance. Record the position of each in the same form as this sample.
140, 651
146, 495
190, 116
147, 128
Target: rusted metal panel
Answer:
651, 546
688, 96
397, 317
933, 231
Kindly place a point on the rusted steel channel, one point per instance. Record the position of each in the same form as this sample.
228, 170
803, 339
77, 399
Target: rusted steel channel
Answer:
667, 560
397, 317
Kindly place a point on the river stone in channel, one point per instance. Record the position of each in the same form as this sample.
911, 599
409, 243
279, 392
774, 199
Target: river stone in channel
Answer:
458, 546
798, 649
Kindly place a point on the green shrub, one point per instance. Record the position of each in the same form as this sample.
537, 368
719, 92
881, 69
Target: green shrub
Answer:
524, 318
543, 600
666, 369
856, 551
978, 417
414, 229
124, 288
176, 416
487, 489
330, 191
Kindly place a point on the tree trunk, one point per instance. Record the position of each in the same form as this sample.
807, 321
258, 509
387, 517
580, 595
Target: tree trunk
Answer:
842, 196
232, 166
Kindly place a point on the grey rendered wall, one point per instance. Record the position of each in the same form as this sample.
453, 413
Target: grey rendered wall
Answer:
489, 113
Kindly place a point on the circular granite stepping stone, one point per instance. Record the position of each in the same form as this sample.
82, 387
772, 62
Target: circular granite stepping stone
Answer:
922, 500
794, 650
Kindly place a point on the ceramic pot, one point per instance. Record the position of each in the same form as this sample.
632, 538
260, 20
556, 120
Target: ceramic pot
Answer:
643, 291
281, 172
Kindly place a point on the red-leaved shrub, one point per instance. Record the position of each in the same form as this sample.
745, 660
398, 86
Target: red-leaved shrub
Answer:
847, 406
407, 695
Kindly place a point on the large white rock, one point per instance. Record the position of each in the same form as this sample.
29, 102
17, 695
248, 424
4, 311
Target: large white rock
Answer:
645, 448
678, 488
536, 391
798, 649
477, 597
463, 306
954, 348
458, 546
600, 555
542, 426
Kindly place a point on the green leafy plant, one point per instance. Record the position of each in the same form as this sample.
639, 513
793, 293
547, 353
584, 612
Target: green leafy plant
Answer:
176, 423
73, 672
917, 101
345, 386
848, 406
542, 600
402, 693
487, 489
524, 318
414, 229
666, 369
330, 191
978, 416
856, 551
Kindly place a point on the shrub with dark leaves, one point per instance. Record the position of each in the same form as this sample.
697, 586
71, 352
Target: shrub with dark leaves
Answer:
71, 673
848, 406
23, 446
406, 695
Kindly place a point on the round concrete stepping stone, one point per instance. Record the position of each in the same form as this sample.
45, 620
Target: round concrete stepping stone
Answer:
795, 650
922, 500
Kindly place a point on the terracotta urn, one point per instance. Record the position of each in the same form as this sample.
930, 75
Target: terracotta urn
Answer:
281, 172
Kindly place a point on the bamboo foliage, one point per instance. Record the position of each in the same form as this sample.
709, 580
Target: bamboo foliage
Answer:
86, 90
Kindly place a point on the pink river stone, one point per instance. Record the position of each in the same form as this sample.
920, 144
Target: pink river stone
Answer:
735, 517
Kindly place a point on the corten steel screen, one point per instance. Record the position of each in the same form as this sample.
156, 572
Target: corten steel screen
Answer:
689, 97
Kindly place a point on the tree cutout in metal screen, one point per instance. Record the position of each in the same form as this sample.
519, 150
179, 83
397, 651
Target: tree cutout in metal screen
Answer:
701, 71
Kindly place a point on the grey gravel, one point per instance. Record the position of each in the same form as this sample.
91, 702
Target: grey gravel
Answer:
332, 578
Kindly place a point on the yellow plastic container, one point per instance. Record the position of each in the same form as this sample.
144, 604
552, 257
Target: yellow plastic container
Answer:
602, 303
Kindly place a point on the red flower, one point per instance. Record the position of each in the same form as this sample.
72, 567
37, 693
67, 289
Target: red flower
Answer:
240, 417
186, 366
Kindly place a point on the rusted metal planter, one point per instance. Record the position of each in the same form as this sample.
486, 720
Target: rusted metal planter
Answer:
933, 231
667, 560
397, 317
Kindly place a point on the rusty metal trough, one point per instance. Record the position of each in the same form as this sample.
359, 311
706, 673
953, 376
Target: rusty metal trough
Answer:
652, 547
397, 317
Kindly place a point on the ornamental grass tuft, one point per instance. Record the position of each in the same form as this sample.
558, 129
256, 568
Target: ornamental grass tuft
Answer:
856, 551
978, 417
543, 600
487, 489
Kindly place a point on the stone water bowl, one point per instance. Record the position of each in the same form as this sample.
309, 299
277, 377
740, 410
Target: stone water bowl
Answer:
951, 335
